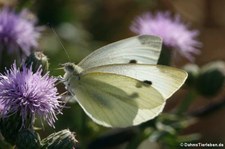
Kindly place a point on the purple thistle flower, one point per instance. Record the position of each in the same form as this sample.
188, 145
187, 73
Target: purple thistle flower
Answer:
173, 31
17, 32
30, 94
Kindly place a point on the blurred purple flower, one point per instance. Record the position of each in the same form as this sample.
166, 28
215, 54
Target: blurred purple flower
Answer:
1, 109
30, 94
173, 31
17, 32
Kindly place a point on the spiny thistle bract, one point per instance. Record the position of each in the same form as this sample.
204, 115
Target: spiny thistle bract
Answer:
63, 139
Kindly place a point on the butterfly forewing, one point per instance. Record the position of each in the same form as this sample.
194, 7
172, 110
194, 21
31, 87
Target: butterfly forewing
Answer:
164, 79
117, 101
143, 49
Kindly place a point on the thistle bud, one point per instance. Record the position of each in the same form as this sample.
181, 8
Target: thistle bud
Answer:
211, 78
193, 71
63, 139
10, 127
37, 59
28, 139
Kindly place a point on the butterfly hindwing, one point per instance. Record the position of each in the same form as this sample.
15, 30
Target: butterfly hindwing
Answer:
117, 101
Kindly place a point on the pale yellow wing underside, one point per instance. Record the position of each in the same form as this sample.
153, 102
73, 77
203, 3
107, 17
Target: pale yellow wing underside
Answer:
116, 101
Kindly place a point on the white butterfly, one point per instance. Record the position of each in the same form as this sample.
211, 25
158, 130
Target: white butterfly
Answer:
120, 85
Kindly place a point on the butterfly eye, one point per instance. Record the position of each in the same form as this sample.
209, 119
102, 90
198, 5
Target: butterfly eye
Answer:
133, 61
68, 67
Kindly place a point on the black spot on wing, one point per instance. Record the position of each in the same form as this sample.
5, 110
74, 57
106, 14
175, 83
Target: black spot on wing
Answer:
145, 83
133, 61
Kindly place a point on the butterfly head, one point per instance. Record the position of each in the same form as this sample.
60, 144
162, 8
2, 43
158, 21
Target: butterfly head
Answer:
71, 68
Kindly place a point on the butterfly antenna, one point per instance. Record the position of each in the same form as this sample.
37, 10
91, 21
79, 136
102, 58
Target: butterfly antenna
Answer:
57, 36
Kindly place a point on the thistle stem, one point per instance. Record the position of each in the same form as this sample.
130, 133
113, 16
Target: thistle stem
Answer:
183, 107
